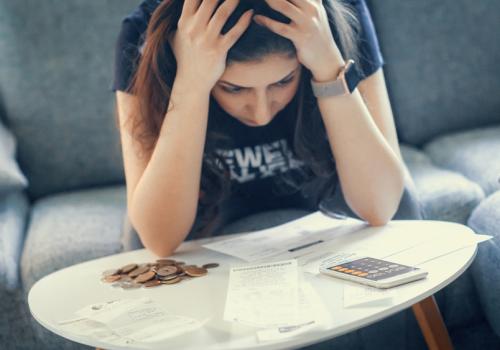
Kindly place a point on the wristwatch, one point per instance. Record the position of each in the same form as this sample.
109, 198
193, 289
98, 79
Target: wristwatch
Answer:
347, 80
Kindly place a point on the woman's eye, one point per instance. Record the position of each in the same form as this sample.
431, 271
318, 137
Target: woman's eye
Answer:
285, 82
235, 90
231, 90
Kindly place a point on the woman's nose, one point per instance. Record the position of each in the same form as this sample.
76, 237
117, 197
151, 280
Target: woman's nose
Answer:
262, 112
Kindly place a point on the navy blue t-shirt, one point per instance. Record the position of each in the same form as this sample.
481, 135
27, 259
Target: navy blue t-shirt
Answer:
256, 156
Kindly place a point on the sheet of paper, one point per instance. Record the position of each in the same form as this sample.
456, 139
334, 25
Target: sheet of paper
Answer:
291, 240
106, 311
263, 295
437, 247
360, 295
150, 322
137, 320
95, 330
403, 249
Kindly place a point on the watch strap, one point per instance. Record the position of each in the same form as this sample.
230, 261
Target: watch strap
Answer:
329, 88
338, 86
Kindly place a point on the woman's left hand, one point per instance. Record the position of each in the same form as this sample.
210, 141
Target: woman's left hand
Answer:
309, 30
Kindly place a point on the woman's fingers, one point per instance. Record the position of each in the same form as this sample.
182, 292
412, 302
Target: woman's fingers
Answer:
220, 17
189, 8
204, 13
233, 35
287, 8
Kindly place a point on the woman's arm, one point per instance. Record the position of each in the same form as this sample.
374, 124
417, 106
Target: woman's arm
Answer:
363, 139
163, 189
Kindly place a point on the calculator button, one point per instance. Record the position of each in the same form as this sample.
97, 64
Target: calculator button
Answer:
393, 266
363, 274
337, 268
383, 268
373, 271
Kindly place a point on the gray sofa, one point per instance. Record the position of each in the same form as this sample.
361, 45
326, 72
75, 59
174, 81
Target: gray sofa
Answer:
63, 199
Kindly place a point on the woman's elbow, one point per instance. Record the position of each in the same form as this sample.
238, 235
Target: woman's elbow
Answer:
378, 221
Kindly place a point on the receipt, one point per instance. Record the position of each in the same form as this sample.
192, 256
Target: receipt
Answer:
263, 295
312, 314
95, 330
125, 321
273, 297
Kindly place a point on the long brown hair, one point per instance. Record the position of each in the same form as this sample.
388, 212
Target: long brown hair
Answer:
155, 74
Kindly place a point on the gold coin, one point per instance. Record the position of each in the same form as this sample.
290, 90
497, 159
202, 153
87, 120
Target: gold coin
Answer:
166, 261
129, 285
110, 272
165, 271
172, 281
195, 271
111, 278
128, 268
145, 277
125, 278
167, 278
139, 271
152, 283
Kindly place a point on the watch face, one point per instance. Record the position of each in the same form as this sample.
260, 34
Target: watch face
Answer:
352, 78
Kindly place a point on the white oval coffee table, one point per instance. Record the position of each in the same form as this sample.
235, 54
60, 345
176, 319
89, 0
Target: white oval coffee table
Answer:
57, 296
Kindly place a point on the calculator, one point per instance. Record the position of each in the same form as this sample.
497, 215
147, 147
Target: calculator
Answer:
373, 272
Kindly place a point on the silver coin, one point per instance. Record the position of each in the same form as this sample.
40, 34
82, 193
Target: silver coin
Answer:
130, 285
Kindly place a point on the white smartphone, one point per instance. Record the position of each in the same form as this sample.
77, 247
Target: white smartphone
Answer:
371, 271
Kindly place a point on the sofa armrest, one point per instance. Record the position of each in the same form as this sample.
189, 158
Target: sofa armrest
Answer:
14, 210
444, 195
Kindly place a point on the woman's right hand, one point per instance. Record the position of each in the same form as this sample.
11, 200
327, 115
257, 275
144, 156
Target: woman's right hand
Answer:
199, 48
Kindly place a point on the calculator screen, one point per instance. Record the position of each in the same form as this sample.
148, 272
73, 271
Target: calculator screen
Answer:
371, 268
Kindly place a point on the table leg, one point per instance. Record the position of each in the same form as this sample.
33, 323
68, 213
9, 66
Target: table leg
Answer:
432, 325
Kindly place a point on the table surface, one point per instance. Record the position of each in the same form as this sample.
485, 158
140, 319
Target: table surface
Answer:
57, 296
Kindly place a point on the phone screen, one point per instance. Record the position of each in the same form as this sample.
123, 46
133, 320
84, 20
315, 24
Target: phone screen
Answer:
372, 269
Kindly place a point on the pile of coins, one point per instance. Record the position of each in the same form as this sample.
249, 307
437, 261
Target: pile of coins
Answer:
147, 275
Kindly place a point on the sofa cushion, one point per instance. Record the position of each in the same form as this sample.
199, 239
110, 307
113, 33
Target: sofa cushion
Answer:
55, 75
485, 219
69, 228
14, 209
474, 153
442, 70
444, 195
11, 177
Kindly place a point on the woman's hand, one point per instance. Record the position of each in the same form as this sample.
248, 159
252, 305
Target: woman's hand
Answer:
199, 48
310, 32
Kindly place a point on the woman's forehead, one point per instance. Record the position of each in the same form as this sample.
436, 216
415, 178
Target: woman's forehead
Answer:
264, 72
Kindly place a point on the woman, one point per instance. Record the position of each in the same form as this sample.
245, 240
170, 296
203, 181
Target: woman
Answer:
218, 118
218, 121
